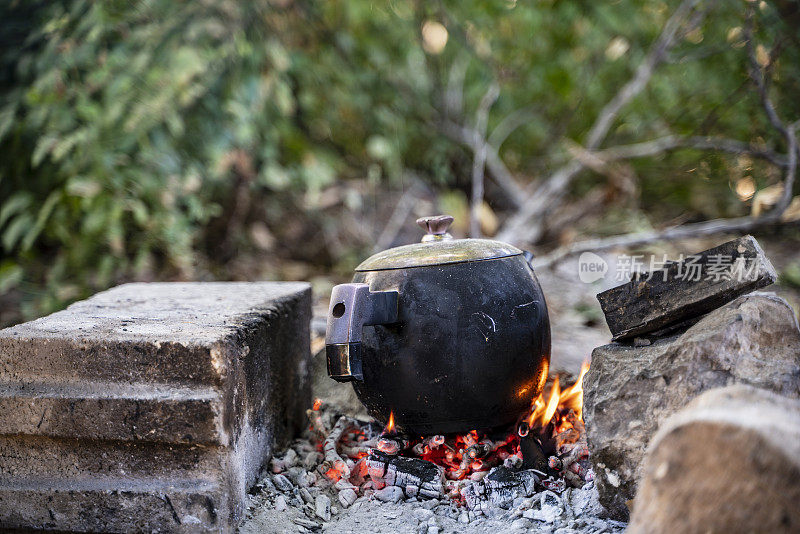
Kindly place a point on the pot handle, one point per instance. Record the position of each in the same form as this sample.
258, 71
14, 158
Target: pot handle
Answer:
352, 307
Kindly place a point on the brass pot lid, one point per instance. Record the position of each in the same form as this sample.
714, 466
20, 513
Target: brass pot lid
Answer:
437, 248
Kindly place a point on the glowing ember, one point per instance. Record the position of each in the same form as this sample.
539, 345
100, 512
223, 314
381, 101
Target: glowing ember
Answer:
463, 455
554, 424
317, 405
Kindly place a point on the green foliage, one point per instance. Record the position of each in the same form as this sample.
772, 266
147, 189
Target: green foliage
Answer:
142, 140
791, 275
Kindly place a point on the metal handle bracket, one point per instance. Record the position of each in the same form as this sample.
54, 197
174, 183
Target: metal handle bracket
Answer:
352, 307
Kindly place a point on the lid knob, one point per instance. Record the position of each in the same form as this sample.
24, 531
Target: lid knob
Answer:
436, 226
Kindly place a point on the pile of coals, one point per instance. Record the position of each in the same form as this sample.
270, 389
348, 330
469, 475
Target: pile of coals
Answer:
360, 476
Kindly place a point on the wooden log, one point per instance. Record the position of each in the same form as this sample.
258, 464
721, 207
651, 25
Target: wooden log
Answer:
728, 462
656, 302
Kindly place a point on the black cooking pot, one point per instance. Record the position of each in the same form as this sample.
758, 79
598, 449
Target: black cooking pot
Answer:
449, 335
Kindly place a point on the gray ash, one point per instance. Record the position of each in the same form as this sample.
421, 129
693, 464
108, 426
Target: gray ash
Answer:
347, 474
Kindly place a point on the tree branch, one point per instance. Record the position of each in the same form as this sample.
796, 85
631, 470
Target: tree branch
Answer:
519, 227
465, 135
674, 142
787, 132
479, 160
510, 122
399, 215
454, 93
715, 226
657, 54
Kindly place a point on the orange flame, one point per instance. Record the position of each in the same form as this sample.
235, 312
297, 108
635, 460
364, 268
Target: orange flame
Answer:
552, 402
558, 401
572, 397
317, 405
390, 425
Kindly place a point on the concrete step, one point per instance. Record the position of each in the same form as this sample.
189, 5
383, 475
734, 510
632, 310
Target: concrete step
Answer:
110, 411
150, 407
88, 506
167, 332
61, 461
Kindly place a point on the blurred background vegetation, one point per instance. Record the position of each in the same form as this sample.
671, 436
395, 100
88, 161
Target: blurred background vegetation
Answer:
288, 139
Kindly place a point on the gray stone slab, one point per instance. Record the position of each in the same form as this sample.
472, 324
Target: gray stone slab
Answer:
101, 410
150, 406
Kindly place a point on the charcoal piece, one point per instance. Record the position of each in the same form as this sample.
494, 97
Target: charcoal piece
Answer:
376, 464
557, 485
347, 497
503, 485
283, 483
415, 476
322, 507
305, 523
472, 498
533, 455
371, 429
390, 494
682, 291
529, 479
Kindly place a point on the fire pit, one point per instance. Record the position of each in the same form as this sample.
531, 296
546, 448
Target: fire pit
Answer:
548, 444
534, 472
359, 474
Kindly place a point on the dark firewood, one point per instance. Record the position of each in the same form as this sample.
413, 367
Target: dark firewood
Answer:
685, 290
417, 477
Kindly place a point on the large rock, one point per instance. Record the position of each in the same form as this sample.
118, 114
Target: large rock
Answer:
150, 407
728, 462
629, 391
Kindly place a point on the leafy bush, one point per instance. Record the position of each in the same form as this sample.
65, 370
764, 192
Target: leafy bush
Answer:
160, 139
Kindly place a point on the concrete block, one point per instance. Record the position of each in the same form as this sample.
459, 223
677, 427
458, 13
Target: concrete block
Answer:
150, 407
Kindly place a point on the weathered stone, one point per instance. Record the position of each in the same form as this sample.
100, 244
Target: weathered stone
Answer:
629, 391
728, 462
683, 291
150, 406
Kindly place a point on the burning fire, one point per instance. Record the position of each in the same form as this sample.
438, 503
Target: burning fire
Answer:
390, 425
555, 415
559, 401
554, 422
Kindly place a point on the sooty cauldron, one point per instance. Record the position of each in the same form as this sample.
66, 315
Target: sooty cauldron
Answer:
449, 335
